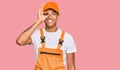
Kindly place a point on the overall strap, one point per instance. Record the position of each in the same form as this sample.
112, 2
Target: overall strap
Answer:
42, 38
61, 40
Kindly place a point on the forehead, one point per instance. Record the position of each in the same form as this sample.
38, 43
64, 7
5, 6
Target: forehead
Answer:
50, 9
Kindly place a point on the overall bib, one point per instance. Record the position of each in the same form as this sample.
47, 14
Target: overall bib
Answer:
50, 59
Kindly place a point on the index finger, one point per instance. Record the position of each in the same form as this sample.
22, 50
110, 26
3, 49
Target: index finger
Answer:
42, 6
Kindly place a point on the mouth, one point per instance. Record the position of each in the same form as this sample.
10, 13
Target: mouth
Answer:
50, 21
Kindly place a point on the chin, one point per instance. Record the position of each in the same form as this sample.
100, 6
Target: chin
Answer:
50, 25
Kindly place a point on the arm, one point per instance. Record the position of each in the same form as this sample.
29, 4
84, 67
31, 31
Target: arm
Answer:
71, 61
24, 38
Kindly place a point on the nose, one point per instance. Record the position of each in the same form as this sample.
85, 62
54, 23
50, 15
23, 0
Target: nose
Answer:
50, 16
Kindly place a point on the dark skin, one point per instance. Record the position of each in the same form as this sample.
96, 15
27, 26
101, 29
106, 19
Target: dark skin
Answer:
49, 17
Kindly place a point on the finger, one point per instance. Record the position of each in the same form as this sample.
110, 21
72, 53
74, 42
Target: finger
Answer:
40, 12
42, 6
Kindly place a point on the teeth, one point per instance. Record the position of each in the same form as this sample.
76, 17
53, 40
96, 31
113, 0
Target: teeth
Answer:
49, 20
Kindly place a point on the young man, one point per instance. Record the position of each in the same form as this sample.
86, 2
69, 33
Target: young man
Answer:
52, 45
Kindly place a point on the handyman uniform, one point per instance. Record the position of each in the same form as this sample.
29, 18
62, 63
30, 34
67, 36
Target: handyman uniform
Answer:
51, 48
50, 59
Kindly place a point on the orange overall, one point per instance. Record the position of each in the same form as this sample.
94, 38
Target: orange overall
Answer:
50, 59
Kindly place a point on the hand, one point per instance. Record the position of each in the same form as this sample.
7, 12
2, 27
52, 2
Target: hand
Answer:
41, 17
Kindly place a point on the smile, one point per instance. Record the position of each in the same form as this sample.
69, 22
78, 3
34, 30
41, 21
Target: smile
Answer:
50, 21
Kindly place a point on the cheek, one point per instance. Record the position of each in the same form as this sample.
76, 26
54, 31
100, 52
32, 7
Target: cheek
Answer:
55, 17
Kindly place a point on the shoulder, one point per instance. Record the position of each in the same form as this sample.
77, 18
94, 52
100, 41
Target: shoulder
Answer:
35, 36
67, 35
36, 32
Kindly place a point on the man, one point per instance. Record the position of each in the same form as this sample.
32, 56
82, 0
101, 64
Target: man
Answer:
52, 45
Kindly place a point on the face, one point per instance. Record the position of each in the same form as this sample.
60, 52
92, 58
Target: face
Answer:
51, 19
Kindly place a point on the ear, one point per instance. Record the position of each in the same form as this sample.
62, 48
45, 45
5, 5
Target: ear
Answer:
58, 17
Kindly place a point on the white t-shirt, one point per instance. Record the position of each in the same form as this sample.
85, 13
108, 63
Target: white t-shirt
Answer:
52, 40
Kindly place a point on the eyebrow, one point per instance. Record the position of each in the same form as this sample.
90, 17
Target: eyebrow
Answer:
52, 10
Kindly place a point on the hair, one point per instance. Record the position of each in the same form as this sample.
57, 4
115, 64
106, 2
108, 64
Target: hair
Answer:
53, 10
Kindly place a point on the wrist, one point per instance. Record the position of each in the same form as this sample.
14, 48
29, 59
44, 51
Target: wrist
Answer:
38, 22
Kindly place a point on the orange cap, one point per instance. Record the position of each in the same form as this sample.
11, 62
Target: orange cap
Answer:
52, 5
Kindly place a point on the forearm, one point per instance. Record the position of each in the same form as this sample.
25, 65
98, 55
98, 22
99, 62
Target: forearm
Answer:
71, 61
25, 35
71, 68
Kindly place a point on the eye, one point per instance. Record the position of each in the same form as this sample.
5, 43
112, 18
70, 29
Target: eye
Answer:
54, 13
45, 14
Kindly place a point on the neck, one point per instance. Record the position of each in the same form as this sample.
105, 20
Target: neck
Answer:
53, 29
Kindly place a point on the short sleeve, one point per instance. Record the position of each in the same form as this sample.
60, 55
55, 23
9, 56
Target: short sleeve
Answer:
71, 47
34, 36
